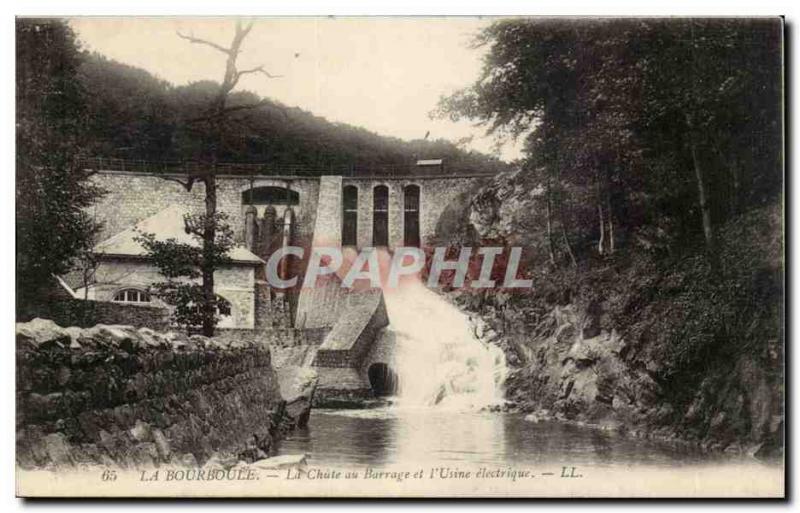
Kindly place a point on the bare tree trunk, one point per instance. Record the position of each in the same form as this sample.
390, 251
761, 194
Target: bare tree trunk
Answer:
708, 230
602, 240
548, 212
601, 243
564, 238
734, 167
610, 223
566, 242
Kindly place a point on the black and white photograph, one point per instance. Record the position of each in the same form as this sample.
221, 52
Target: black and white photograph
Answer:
400, 256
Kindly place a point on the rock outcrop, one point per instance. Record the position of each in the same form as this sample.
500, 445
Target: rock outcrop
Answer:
683, 347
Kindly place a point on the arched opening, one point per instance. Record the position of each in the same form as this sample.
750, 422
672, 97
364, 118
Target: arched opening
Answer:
131, 296
382, 379
350, 215
380, 216
411, 216
270, 195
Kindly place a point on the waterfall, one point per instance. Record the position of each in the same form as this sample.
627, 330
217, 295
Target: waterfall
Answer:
437, 357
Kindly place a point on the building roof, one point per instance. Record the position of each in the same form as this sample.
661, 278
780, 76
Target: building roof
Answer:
74, 280
166, 224
429, 162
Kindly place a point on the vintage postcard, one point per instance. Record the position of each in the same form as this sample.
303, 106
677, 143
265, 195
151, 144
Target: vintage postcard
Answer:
400, 257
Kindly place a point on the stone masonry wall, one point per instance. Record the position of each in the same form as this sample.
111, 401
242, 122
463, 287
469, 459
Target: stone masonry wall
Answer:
114, 395
133, 196
77, 312
435, 195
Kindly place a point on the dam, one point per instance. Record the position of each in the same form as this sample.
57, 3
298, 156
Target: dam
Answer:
357, 338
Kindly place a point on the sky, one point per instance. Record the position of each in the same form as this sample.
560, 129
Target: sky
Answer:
383, 74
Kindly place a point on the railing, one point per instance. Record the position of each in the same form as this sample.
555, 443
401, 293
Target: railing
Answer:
264, 169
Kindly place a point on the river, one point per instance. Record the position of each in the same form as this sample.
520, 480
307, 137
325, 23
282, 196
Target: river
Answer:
447, 380
392, 436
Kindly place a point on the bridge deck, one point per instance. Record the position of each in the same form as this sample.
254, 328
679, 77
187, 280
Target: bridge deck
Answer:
284, 172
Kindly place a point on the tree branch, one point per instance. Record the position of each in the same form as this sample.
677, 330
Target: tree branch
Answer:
257, 69
186, 185
195, 40
235, 108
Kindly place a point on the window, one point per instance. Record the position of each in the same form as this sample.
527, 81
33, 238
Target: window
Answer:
270, 196
349, 216
132, 296
380, 216
411, 216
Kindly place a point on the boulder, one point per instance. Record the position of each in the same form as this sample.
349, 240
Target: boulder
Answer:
281, 462
297, 385
74, 334
187, 460
200, 341
142, 432
58, 450
42, 334
223, 461
152, 338
112, 336
162, 445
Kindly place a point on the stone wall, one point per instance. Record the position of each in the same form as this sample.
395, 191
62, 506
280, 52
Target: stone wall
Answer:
133, 196
435, 195
114, 395
328, 224
77, 312
272, 309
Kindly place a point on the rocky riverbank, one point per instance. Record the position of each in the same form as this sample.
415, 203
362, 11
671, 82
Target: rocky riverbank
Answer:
678, 347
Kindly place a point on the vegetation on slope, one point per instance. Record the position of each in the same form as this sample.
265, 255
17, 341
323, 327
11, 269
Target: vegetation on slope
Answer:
138, 116
650, 206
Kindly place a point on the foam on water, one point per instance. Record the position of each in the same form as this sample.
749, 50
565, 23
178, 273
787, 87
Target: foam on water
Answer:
438, 359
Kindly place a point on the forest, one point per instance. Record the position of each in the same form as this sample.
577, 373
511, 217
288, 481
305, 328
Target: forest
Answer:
132, 114
651, 201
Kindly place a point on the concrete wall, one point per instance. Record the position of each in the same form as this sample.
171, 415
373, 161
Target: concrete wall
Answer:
362, 317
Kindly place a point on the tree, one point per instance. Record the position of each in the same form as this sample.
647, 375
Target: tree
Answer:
182, 264
195, 302
52, 190
634, 116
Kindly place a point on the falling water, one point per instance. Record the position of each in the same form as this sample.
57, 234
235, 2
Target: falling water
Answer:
437, 358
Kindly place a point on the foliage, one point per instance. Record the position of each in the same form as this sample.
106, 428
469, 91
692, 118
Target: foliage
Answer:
631, 118
653, 170
137, 116
182, 264
52, 192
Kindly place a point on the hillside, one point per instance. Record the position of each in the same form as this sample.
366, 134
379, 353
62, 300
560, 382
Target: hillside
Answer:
134, 115
675, 346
